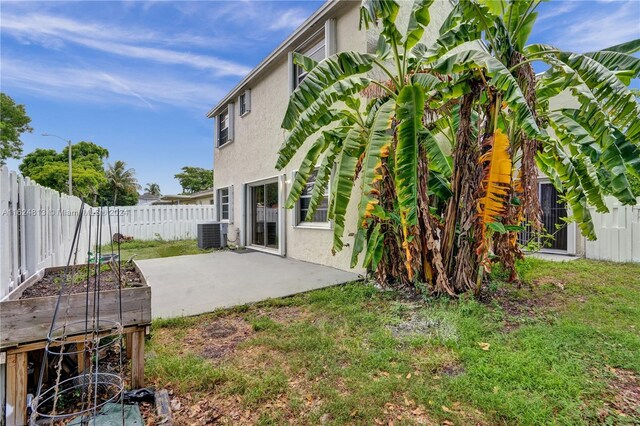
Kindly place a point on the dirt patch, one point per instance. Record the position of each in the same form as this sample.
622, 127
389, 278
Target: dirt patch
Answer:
524, 304
625, 389
288, 314
453, 370
219, 337
76, 281
428, 327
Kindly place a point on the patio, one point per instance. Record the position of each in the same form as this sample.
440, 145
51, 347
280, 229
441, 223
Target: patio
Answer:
196, 284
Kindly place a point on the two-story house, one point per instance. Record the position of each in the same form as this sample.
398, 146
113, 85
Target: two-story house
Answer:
249, 191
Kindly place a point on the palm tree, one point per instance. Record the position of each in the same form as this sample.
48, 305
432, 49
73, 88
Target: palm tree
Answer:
121, 179
152, 188
448, 139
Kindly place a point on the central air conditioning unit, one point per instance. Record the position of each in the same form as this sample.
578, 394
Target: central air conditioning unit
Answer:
212, 235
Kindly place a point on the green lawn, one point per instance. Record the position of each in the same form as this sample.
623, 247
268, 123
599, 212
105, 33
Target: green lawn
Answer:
563, 349
155, 248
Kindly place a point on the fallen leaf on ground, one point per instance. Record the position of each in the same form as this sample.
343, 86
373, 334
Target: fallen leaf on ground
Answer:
484, 346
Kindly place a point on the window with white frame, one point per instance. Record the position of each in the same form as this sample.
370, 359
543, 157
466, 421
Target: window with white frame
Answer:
223, 128
223, 204
245, 103
315, 50
321, 215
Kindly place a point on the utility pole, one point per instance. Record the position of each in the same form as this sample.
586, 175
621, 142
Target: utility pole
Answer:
70, 162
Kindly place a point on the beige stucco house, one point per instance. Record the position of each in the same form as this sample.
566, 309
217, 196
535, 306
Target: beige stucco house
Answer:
250, 192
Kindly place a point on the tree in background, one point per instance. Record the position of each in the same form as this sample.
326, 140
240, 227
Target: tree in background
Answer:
50, 168
121, 182
152, 189
448, 139
194, 179
14, 121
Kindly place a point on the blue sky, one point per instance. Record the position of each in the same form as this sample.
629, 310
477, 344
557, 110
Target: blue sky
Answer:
138, 77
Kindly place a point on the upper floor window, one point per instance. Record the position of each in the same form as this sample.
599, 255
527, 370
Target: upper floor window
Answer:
314, 50
223, 128
245, 102
318, 47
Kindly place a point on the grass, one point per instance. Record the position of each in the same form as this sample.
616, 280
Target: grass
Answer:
155, 248
545, 353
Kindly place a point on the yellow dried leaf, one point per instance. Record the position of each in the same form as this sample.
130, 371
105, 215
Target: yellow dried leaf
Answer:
484, 346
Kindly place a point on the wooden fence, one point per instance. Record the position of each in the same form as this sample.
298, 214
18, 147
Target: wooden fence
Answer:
618, 233
37, 225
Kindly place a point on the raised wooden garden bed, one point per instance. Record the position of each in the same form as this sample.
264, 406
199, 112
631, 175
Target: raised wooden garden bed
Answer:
25, 320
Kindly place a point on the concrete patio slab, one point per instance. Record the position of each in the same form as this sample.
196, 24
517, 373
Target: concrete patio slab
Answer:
191, 285
554, 257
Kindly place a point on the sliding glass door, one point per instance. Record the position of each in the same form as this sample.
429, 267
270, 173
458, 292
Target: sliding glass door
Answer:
263, 209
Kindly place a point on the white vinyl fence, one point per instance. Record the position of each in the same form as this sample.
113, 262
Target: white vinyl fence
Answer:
37, 226
618, 233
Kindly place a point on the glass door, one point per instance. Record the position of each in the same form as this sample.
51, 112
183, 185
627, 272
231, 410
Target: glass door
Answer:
264, 215
553, 212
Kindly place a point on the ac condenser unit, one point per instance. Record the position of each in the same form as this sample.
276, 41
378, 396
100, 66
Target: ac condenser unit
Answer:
212, 235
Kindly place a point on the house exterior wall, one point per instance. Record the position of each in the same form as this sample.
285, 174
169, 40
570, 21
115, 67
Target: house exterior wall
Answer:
252, 154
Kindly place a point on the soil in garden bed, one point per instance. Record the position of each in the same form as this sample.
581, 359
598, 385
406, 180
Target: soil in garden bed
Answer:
76, 281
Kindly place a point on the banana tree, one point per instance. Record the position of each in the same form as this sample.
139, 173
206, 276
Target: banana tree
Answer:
445, 139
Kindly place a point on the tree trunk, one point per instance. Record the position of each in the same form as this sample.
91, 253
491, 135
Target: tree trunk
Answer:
431, 263
391, 268
458, 250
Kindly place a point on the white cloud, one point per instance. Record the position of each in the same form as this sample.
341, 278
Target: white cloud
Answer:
290, 19
97, 85
599, 30
53, 31
560, 8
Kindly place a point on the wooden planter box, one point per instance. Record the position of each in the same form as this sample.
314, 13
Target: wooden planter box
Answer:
24, 325
28, 320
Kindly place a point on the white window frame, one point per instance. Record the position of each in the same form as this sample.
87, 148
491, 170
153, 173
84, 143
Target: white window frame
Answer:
230, 126
244, 102
328, 35
220, 129
221, 203
319, 43
296, 210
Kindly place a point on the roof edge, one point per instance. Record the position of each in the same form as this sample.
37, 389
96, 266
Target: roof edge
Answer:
321, 13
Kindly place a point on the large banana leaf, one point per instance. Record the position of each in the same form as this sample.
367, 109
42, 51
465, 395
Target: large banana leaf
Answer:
343, 185
375, 248
613, 160
501, 79
371, 10
386, 11
617, 61
613, 97
564, 122
409, 111
305, 62
325, 171
496, 181
628, 47
555, 163
325, 74
580, 158
318, 114
520, 18
418, 20
378, 147
306, 168
438, 160
618, 154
